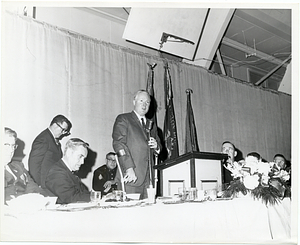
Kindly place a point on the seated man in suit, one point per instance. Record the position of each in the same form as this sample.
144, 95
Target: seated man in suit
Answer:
104, 176
60, 179
46, 149
17, 180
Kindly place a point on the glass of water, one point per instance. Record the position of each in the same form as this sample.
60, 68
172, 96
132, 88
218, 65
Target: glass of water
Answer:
95, 196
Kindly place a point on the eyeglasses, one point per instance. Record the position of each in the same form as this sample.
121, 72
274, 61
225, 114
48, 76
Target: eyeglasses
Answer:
63, 130
111, 160
12, 146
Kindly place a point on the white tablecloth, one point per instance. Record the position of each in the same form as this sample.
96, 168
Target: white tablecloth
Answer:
241, 220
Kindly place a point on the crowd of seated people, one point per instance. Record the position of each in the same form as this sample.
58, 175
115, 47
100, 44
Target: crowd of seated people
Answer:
277, 164
51, 171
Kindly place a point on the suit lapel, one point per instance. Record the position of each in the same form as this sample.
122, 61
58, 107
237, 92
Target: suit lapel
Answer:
21, 176
74, 177
9, 178
137, 121
58, 145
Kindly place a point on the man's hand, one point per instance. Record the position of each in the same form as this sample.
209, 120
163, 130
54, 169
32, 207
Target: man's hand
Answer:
107, 185
152, 143
130, 176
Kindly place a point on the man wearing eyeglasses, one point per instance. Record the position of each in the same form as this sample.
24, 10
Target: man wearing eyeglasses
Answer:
17, 179
104, 176
46, 149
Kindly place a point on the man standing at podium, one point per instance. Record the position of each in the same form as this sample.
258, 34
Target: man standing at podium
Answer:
229, 149
135, 141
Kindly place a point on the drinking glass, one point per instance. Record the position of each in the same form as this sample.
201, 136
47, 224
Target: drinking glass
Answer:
212, 194
119, 195
182, 193
191, 194
95, 196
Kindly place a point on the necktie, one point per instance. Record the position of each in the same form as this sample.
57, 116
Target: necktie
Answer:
143, 124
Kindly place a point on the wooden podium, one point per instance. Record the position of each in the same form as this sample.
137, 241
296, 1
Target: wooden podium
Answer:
202, 170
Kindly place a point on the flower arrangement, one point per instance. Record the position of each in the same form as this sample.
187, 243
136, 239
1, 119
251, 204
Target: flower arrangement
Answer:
264, 180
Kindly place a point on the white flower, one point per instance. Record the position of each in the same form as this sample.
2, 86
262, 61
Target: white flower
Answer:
251, 181
235, 169
252, 163
282, 174
263, 168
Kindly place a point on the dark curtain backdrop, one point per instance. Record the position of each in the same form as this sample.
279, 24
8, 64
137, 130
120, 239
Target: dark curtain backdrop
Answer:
47, 71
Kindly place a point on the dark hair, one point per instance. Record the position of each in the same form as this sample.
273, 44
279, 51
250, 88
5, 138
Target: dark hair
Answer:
254, 154
60, 119
280, 155
228, 142
10, 132
110, 153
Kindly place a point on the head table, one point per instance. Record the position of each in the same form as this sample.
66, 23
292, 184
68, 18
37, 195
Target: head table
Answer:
240, 220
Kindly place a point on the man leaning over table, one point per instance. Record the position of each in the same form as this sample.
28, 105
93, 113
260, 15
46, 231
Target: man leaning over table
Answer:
17, 180
46, 148
60, 179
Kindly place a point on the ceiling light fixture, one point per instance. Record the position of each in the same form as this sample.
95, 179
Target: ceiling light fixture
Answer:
254, 47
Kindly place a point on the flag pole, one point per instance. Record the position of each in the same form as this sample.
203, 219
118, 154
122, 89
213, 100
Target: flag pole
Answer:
149, 89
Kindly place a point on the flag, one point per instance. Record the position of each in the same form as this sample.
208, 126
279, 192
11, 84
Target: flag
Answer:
170, 131
191, 142
151, 114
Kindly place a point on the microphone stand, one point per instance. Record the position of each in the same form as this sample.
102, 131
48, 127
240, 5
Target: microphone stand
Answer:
148, 129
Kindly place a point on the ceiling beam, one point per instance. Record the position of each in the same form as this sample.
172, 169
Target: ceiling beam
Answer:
271, 72
106, 14
242, 47
214, 29
221, 62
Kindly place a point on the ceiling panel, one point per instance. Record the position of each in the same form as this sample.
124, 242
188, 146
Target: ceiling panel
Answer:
271, 29
173, 30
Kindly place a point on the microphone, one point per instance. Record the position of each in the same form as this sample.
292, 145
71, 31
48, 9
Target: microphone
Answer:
149, 126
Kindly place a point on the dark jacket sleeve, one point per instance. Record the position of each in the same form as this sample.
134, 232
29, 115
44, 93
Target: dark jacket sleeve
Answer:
68, 189
120, 137
37, 157
24, 184
31, 186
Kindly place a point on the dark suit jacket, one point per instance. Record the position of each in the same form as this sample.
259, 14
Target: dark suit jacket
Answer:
106, 174
66, 185
22, 184
44, 153
130, 139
